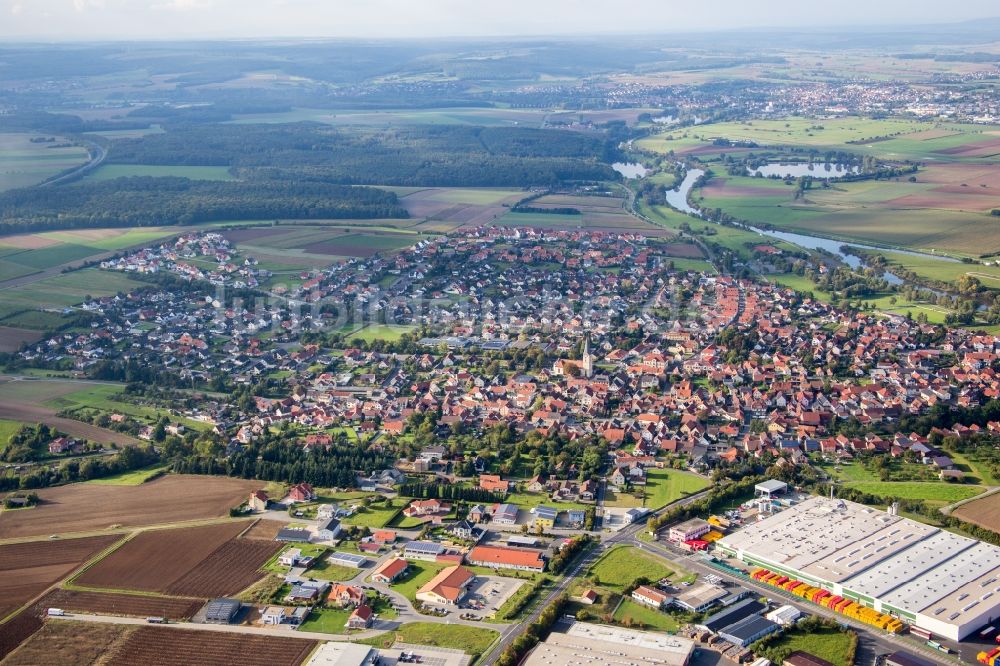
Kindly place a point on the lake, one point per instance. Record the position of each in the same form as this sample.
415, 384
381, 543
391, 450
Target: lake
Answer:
630, 169
796, 169
679, 198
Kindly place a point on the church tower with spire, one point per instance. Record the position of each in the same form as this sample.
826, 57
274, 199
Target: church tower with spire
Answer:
587, 362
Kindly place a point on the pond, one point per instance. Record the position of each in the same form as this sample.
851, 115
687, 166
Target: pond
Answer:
679, 198
796, 169
630, 169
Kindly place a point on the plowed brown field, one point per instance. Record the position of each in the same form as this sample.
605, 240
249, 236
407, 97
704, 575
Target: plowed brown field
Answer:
26, 569
81, 507
159, 646
107, 603
983, 512
154, 560
234, 566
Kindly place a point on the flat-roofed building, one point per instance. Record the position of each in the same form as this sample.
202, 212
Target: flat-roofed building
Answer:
689, 529
940, 581
583, 644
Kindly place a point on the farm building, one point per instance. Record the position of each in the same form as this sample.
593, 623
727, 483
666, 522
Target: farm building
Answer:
347, 560
391, 571
422, 550
869, 560
222, 611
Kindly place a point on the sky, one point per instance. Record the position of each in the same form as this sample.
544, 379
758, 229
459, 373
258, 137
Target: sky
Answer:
178, 19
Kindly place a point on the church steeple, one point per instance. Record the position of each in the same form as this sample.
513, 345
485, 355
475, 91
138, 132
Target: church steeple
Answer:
587, 362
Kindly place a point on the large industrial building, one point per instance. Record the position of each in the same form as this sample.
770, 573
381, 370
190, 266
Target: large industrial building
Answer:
584, 644
936, 580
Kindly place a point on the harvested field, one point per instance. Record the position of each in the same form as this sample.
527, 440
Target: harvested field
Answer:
17, 630
984, 512
687, 250
248, 235
154, 560
135, 605
264, 529
11, 339
233, 567
159, 646
88, 507
26, 569
69, 644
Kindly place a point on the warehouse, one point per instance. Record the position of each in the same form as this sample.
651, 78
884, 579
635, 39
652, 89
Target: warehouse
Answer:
939, 581
583, 644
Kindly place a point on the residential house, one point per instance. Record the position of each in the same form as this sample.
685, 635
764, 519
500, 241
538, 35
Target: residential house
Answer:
362, 618
391, 571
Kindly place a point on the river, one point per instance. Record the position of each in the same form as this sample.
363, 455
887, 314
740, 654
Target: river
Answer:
679, 199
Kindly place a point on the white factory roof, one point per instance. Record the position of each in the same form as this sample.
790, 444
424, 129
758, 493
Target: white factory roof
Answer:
809, 531
866, 552
908, 565
968, 565
966, 601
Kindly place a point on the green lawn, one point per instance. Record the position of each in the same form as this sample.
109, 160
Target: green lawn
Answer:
830, 644
527, 501
103, 398
471, 640
7, 430
663, 486
638, 616
327, 571
420, 573
133, 478
327, 620
373, 516
618, 568
918, 490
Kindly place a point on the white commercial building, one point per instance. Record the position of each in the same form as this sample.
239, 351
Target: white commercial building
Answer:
583, 644
936, 580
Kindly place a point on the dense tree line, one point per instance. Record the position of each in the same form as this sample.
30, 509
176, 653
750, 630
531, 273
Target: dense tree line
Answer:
533, 633
448, 492
146, 201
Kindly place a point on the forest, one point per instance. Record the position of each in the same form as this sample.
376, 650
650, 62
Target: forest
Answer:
448, 155
149, 201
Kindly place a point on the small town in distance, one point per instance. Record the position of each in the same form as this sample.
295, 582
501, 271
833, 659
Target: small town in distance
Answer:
363, 334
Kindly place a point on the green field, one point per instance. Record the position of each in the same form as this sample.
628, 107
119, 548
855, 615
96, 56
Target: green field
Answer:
663, 486
850, 133
102, 398
387, 332
23, 163
945, 271
68, 289
619, 567
112, 171
638, 616
7, 430
471, 640
474, 196
830, 644
918, 490
133, 478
